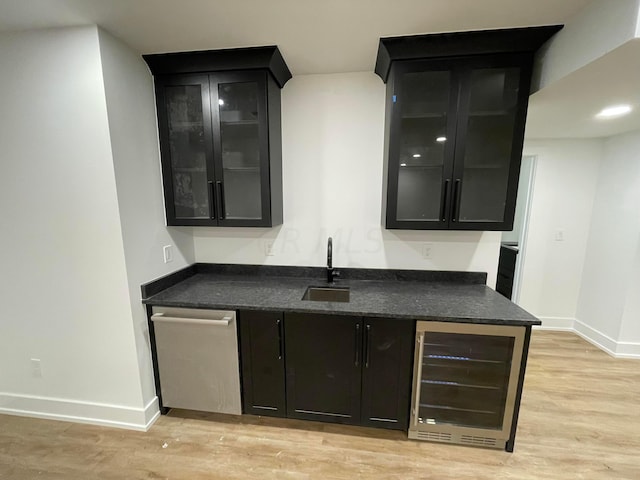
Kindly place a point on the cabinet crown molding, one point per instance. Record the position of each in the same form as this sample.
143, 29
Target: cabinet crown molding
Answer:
453, 44
204, 61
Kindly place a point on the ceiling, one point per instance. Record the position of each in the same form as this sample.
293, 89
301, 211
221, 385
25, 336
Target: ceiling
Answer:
315, 36
332, 36
567, 107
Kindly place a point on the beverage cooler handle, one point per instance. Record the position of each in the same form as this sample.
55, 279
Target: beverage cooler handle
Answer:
416, 407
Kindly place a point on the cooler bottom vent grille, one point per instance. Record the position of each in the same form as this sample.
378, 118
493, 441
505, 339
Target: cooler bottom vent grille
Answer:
457, 438
480, 441
435, 436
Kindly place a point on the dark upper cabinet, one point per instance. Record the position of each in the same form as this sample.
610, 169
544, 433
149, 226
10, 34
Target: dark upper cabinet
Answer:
220, 135
262, 354
455, 116
386, 372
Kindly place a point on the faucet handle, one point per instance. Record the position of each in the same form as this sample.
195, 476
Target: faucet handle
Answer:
334, 273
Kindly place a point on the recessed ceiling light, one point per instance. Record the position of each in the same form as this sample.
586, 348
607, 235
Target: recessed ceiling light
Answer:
403, 164
614, 111
441, 139
416, 155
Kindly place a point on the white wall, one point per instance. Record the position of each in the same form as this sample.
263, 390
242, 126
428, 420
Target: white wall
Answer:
562, 199
63, 287
608, 305
526, 172
595, 30
630, 327
332, 130
134, 144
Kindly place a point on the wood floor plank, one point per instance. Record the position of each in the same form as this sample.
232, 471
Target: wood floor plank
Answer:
580, 419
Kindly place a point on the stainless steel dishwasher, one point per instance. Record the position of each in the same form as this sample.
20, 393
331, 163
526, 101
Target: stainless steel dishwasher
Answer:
197, 354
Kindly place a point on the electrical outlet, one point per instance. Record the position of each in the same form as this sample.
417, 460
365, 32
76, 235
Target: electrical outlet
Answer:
427, 250
559, 235
268, 248
36, 368
167, 251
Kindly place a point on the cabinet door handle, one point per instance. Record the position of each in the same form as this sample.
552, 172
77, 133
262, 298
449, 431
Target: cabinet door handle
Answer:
367, 347
456, 199
357, 349
212, 210
279, 325
443, 203
220, 195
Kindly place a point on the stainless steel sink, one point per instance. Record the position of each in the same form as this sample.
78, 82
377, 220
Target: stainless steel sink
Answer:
327, 294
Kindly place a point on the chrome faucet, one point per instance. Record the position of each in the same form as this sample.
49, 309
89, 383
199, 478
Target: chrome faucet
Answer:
331, 273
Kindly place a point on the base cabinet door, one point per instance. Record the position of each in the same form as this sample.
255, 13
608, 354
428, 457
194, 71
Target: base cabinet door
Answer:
263, 374
386, 372
323, 358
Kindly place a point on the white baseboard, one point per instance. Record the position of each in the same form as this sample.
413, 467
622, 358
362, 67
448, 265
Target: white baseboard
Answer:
564, 324
628, 350
117, 416
604, 342
591, 335
597, 338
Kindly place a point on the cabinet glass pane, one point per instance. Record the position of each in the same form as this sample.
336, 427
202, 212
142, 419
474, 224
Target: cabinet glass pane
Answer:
423, 126
492, 110
187, 151
464, 379
240, 140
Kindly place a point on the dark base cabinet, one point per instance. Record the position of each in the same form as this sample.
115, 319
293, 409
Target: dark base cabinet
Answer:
339, 369
323, 355
386, 373
506, 270
261, 346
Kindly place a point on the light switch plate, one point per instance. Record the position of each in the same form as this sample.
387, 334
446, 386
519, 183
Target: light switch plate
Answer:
36, 368
167, 251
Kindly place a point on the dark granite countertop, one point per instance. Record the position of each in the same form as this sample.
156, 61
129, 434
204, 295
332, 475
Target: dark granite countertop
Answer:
439, 296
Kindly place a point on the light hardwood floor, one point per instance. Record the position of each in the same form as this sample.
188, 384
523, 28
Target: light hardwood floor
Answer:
580, 419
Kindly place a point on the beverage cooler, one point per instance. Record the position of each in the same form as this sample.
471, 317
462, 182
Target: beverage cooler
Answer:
465, 383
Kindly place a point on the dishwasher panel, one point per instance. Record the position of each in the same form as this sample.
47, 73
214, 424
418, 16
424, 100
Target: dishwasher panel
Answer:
197, 354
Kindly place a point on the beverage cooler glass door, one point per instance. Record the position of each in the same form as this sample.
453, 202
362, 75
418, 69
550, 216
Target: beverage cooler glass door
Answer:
465, 382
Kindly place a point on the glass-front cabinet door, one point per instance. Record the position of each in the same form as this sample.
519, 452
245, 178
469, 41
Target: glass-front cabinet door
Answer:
485, 177
240, 147
219, 123
454, 141
215, 147
186, 142
420, 161
465, 381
